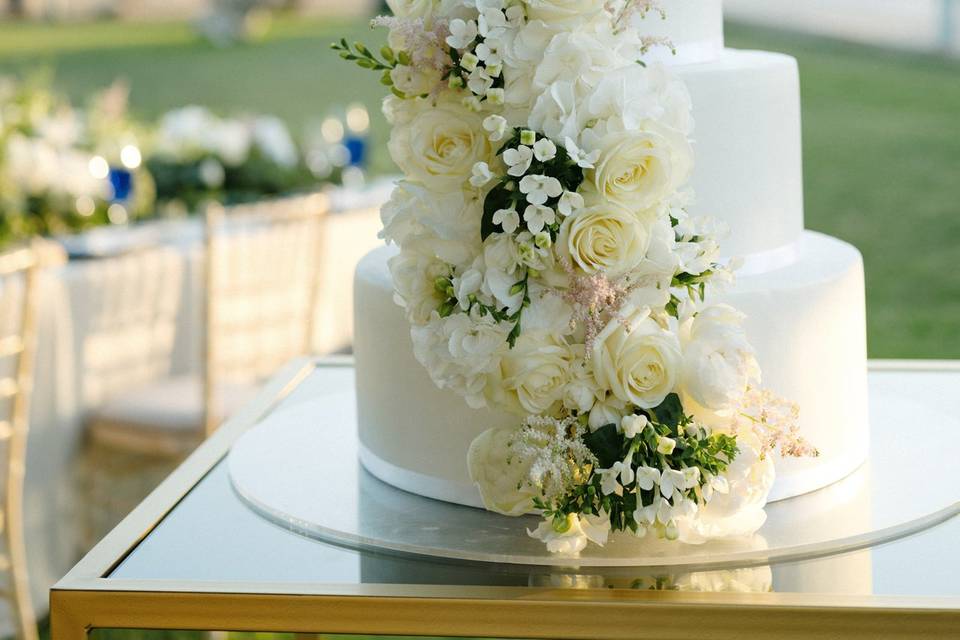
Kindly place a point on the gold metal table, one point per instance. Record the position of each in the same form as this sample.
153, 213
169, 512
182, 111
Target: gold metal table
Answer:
192, 556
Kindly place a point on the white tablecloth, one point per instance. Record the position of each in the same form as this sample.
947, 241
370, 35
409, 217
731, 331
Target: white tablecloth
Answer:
116, 322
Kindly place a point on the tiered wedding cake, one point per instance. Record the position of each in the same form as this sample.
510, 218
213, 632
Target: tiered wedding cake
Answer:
548, 96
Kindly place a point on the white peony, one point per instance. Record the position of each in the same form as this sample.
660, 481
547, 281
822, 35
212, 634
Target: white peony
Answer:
604, 237
637, 359
718, 361
575, 54
413, 275
739, 511
556, 113
533, 375
499, 474
438, 144
414, 212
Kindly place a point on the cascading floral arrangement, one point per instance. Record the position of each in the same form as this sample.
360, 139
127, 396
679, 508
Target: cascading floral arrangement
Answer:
548, 267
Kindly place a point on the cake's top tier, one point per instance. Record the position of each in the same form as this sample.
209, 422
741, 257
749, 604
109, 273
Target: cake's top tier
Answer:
695, 27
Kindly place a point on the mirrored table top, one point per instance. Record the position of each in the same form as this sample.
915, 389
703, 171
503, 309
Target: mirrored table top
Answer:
211, 536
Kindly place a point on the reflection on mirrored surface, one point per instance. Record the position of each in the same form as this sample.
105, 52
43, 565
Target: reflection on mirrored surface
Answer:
212, 535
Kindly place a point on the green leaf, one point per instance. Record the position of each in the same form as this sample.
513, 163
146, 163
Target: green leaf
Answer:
498, 198
669, 412
605, 443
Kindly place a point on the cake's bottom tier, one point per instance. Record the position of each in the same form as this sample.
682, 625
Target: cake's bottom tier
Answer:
805, 317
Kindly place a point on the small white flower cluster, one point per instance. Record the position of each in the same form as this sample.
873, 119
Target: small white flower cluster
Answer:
547, 265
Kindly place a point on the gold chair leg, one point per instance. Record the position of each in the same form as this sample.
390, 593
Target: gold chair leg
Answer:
22, 598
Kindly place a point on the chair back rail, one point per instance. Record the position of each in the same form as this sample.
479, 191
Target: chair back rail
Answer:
18, 324
262, 272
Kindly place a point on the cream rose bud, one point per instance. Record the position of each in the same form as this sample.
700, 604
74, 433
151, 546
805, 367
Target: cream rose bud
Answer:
438, 145
640, 169
499, 474
718, 360
534, 374
637, 359
604, 237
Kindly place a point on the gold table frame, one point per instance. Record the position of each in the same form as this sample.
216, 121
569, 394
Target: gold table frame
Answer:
86, 599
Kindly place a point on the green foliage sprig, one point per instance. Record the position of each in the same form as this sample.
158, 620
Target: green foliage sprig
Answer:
694, 447
506, 193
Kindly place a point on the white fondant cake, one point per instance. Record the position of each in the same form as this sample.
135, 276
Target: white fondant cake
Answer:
806, 319
802, 292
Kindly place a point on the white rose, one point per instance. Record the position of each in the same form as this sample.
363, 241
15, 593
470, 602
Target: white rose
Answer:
637, 359
533, 375
561, 11
437, 145
604, 237
739, 511
718, 361
500, 475
640, 169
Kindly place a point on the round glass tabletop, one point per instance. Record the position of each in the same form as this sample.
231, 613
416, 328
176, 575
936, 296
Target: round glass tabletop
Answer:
299, 468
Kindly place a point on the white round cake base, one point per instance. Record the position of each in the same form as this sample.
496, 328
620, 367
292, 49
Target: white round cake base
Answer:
300, 469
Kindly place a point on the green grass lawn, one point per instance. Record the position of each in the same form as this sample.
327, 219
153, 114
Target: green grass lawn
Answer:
881, 136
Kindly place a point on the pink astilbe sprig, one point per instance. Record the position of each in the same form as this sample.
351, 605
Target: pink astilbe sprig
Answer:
649, 42
593, 297
775, 421
424, 41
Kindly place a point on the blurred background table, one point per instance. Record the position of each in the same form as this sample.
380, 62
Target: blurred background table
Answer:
207, 561
126, 311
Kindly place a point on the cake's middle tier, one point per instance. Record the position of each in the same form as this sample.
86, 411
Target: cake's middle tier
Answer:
748, 171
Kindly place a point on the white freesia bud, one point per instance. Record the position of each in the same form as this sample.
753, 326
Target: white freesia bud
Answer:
647, 478
481, 174
508, 219
495, 96
495, 126
544, 150
670, 479
666, 446
518, 160
469, 62
572, 535
462, 34
633, 425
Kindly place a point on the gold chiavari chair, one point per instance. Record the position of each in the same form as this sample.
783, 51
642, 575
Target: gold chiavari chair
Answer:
18, 270
261, 280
